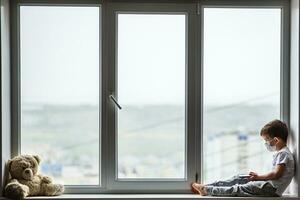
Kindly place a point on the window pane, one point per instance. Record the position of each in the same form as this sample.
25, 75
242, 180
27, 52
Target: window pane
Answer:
60, 90
151, 89
241, 88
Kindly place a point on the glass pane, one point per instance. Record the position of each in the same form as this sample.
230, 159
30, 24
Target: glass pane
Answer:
60, 90
151, 89
241, 88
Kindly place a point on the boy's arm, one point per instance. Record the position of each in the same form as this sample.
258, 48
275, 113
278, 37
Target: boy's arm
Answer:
275, 174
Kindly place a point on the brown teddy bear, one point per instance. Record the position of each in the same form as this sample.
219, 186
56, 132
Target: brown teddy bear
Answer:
25, 181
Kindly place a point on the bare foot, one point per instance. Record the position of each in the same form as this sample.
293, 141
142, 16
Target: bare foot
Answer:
199, 189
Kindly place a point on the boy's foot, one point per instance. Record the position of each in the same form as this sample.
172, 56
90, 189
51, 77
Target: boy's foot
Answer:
199, 189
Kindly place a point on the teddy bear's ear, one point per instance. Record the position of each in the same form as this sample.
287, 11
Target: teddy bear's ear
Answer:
37, 158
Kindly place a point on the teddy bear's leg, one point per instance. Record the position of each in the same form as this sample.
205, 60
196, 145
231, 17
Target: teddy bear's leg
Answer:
15, 190
52, 189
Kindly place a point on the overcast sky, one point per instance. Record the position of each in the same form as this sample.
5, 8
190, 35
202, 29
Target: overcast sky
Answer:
241, 55
60, 56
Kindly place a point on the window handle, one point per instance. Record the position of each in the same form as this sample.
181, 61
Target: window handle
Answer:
115, 101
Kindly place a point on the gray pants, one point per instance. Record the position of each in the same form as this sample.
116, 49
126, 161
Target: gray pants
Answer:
241, 187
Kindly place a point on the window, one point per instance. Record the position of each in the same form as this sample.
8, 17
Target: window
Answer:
153, 113
149, 79
137, 97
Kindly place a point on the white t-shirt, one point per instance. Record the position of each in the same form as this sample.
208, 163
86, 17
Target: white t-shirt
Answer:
283, 156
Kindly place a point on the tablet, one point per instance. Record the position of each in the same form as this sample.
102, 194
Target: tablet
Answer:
244, 176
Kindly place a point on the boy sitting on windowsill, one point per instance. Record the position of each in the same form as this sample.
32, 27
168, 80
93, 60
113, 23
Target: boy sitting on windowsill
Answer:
275, 135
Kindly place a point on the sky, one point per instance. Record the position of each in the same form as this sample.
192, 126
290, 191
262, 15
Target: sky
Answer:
60, 56
241, 55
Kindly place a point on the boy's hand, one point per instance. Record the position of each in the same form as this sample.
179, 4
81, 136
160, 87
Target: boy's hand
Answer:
253, 176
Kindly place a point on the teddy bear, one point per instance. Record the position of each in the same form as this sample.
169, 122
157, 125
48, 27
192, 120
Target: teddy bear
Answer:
26, 181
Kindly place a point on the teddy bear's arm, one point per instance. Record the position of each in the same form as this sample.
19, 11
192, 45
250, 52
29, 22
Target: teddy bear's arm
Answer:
13, 181
45, 179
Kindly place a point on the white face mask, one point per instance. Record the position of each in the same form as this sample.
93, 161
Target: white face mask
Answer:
269, 147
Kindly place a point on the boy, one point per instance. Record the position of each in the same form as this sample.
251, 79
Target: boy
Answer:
275, 135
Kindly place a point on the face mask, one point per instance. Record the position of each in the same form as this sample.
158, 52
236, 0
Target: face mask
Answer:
269, 147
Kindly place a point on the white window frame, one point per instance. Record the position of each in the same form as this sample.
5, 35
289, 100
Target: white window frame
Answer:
194, 90
154, 185
16, 83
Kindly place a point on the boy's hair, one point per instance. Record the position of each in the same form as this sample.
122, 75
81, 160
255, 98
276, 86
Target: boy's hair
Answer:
276, 128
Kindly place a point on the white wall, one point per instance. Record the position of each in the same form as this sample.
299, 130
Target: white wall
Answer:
294, 99
5, 89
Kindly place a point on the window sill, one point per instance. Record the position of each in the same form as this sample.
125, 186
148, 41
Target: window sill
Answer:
148, 196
